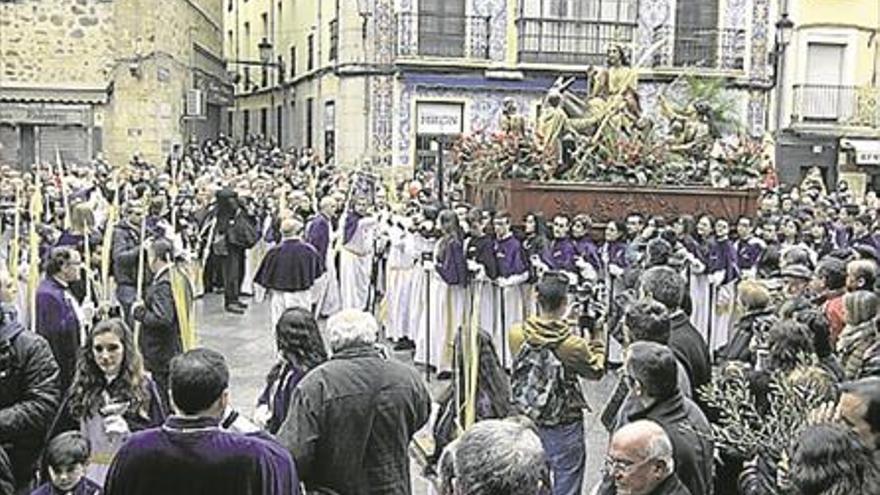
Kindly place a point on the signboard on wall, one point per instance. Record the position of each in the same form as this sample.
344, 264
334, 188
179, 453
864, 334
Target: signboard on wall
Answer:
439, 118
866, 152
42, 114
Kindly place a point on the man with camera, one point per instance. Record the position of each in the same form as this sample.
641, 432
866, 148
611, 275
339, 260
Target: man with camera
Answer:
549, 359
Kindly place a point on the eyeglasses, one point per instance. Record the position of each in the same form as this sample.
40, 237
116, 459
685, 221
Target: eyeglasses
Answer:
613, 466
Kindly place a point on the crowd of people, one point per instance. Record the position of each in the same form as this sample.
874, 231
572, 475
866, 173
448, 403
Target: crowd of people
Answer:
103, 385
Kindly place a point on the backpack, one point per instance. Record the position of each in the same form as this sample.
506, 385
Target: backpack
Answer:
540, 388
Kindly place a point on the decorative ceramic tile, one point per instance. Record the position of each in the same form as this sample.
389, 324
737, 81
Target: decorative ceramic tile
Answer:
736, 13
761, 41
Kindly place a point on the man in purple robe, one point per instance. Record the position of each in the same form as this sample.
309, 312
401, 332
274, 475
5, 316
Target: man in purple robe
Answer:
724, 273
513, 272
190, 454
748, 247
318, 234
562, 253
58, 318
289, 270
584, 243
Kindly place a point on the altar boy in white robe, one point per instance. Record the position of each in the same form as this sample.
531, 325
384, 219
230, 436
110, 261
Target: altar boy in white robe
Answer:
356, 255
399, 274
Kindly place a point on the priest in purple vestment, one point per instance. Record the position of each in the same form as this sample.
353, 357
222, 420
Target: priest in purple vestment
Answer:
289, 270
58, 314
191, 454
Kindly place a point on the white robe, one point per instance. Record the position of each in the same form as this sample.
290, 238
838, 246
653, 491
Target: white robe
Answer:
328, 300
700, 302
402, 258
722, 316
421, 289
512, 292
355, 266
280, 301
447, 314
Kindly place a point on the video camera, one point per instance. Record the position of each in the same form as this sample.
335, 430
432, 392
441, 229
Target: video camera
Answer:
588, 304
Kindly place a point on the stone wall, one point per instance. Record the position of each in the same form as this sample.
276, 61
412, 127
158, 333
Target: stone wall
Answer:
67, 41
143, 47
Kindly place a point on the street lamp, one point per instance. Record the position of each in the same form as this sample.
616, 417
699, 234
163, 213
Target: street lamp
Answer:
784, 31
265, 51
266, 62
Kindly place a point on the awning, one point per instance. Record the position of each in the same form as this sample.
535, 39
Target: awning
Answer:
867, 150
82, 95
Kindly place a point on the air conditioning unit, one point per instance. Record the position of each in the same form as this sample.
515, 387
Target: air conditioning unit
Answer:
195, 103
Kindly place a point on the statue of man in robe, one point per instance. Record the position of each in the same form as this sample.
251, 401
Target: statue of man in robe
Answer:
512, 123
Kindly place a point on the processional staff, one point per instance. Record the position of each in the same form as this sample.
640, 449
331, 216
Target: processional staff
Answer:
141, 263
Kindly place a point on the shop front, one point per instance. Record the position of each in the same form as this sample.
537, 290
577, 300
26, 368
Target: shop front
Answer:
44, 126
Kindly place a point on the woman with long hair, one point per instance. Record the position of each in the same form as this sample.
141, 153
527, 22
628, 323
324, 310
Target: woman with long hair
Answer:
448, 292
300, 350
111, 395
830, 460
536, 240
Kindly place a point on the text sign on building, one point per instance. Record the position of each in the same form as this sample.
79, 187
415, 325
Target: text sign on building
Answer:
868, 154
440, 118
42, 114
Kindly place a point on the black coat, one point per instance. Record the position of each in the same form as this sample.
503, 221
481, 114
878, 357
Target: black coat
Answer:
29, 395
160, 331
692, 351
671, 486
690, 433
125, 253
351, 420
7, 482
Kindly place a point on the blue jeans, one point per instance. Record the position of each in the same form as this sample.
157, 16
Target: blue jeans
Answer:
567, 455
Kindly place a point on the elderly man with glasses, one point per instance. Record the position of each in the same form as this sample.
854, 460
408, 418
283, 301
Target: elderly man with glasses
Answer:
640, 461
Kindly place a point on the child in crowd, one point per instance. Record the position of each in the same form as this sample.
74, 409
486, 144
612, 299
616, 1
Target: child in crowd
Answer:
67, 456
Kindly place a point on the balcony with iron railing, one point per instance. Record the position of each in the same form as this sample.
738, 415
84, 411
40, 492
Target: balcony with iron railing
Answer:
586, 42
834, 105
570, 41
700, 48
421, 35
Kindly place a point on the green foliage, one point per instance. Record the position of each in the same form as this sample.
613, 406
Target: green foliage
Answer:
745, 430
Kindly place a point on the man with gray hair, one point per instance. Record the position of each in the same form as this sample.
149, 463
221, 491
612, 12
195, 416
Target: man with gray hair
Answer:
641, 463
289, 270
352, 418
650, 372
500, 457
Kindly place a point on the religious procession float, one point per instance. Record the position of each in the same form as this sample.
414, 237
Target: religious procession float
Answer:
596, 151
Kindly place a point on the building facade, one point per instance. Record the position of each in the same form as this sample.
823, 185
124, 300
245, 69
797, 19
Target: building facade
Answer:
390, 81
82, 77
830, 100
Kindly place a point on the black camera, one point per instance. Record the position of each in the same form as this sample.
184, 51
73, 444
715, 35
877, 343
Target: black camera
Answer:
589, 305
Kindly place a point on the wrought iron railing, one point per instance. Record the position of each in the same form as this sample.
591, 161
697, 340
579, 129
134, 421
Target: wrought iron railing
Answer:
567, 41
448, 36
697, 47
834, 104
